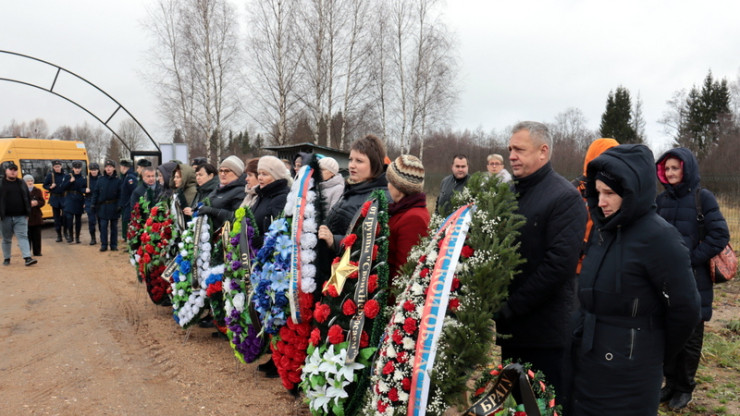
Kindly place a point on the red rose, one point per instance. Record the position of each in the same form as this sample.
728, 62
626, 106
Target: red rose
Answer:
372, 283
454, 304
315, 337
287, 384
406, 384
335, 335
149, 249
424, 272
393, 395
364, 339
397, 336
349, 240
157, 227
401, 357
375, 251
149, 222
381, 406
455, 283
422, 259
365, 208
409, 325
146, 258
336, 260
321, 312
154, 211
408, 306
467, 252
371, 309
388, 368
349, 307
353, 275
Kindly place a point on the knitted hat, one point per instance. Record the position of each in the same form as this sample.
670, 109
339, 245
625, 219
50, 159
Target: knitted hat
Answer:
406, 173
233, 164
330, 164
611, 181
274, 166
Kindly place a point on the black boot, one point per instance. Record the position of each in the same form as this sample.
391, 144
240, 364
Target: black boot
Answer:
68, 235
59, 236
93, 241
77, 237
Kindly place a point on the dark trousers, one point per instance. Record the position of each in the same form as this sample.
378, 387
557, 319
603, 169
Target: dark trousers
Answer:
680, 371
58, 219
92, 219
105, 225
125, 217
71, 220
548, 360
34, 237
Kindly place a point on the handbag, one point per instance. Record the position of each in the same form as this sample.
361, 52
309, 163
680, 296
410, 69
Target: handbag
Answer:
723, 266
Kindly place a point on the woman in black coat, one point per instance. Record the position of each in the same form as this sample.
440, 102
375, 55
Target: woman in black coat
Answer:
638, 299
224, 201
274, 185
678, 171
366, 174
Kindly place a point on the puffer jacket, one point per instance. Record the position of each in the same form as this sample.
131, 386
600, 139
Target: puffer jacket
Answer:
270, 203
332, 190
677, 204
638, 300
341, 214
224, 202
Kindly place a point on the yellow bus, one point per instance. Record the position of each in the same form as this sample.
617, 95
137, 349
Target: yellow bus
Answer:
34, 157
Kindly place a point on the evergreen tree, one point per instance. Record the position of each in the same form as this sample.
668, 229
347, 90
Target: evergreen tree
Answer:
616, 122
707, 113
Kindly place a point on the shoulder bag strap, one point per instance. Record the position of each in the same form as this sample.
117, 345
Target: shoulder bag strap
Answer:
700, 214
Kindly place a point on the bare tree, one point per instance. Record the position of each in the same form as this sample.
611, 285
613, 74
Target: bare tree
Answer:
273, 57
199, 56
674, 117
36, 128
96, 139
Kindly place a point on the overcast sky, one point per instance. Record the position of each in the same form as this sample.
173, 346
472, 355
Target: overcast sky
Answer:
518, 60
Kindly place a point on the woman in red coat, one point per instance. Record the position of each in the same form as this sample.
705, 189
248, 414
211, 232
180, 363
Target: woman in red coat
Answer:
409, 216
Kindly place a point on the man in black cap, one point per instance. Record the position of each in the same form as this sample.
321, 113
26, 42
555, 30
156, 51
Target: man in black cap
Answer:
140, 165
128, 184
74, 186
14, 211
92, 219
53, 184
105, 203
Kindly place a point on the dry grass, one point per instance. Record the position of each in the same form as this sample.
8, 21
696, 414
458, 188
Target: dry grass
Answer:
730, 207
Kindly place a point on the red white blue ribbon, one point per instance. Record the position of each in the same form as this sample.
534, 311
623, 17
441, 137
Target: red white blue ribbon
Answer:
435, 307
295, 236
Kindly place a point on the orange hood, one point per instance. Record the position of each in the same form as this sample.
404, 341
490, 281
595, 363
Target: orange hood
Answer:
598, 147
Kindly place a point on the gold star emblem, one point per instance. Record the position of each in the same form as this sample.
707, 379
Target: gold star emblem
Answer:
340, 271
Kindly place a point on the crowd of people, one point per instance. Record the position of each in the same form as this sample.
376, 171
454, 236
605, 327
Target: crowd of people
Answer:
610, 300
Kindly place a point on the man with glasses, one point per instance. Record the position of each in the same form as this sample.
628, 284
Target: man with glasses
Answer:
14, 211
230, 193
495, 167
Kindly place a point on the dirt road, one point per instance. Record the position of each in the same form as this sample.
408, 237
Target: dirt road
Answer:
79, 336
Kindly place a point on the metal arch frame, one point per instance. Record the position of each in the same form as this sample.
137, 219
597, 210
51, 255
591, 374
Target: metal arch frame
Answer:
51, 90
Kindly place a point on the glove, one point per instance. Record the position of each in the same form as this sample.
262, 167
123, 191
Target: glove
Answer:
206, 210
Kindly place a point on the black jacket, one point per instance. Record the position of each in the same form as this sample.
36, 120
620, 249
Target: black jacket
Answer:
204, 191
128, 184
141, 190
270, 203
638, 300
677, 204
56, 195
542, 296
224, 202
341, 214
74, 193
22, 188
447, 188
106, 194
